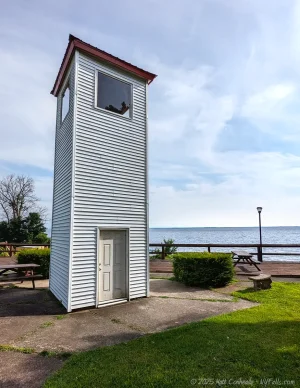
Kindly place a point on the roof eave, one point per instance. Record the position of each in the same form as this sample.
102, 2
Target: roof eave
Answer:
76, 44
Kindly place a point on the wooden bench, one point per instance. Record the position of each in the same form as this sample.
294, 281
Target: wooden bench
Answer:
245, 257
14, 278
261, 282
15, 272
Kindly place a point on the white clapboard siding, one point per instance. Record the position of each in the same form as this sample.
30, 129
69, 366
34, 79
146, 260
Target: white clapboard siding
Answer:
110, 185
62, 194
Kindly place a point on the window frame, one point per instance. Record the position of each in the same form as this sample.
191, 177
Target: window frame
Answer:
106, 110
66, 86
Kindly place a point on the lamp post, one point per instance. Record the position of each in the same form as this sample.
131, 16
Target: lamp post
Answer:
259, 209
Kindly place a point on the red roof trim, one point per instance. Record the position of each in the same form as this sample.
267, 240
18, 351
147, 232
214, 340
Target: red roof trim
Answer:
75, 43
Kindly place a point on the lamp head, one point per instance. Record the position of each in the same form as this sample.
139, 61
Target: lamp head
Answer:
259, 209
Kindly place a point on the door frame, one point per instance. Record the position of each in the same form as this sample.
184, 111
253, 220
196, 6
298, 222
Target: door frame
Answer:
126, 229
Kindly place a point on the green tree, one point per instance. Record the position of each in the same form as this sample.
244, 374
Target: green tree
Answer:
34, 226
41, 238
13, 231
25, 230
18, 230
4, 231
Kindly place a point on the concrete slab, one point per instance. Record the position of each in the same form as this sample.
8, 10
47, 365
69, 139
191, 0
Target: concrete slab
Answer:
24, 311
18, 370
172, 289
236, 286
161, 275
28, 317
24, 302
78, 332
16, 328
39, 284
150, 315
33, 319
120, 323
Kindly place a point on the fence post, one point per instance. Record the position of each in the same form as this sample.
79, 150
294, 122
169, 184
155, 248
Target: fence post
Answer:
10, 251
259, 253
208, 248
163, 254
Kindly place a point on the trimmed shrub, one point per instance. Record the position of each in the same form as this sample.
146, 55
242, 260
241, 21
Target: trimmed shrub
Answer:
203, 269
36, 256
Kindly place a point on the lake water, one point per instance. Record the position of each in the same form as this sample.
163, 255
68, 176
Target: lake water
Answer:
250, 235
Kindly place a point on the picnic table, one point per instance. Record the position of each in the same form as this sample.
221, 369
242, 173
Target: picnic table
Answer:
12, 272
245, 257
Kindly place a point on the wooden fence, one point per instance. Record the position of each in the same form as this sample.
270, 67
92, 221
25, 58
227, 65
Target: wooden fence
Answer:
12, 248
258, 248
255, 249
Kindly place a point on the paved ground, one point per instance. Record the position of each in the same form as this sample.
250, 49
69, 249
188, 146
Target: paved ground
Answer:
171, 289
33, 319
7, 260
18, 370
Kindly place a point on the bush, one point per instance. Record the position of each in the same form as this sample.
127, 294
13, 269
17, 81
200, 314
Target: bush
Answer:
3, 252
36, 256
203, 269
156, 253
169, 250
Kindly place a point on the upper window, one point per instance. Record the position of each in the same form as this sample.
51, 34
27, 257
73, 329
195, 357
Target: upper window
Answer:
114, 95
65, 103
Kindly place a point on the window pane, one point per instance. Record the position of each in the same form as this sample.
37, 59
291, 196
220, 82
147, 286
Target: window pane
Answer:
114, 95
65, 103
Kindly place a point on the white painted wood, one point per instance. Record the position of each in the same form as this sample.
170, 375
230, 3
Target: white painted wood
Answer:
106, 267
110, 180
112, 302
112, 265
100, 182
62, 197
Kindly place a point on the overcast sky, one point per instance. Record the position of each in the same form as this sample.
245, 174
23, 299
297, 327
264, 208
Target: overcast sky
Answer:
224, 111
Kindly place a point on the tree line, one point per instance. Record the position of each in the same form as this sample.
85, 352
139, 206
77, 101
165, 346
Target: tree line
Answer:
22, 219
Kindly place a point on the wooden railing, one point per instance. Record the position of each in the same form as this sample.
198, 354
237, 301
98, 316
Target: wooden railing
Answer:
258, 248
12, 248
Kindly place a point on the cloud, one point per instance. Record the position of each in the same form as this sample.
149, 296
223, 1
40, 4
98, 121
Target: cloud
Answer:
190, 108
26, 108
262, 98
224, 110
270, 103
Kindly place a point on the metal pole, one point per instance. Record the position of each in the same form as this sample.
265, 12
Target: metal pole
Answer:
260, 239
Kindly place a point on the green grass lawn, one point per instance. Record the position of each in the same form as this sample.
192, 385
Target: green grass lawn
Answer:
251, 345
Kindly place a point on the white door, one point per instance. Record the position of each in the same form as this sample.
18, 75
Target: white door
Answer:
112, 265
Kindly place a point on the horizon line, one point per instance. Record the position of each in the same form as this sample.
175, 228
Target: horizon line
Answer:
199, 227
